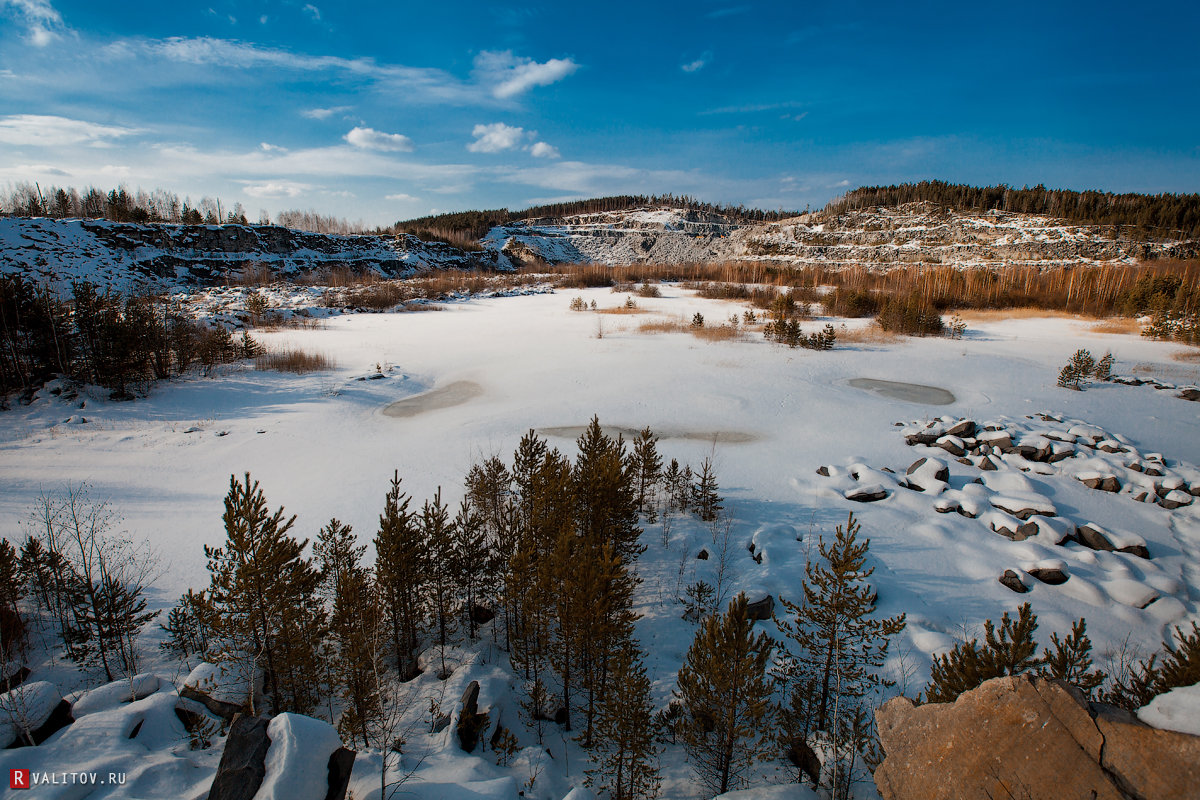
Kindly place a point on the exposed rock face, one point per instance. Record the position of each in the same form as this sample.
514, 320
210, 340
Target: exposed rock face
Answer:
244, 760
879, 238
470, 722
167, 256
1025, 737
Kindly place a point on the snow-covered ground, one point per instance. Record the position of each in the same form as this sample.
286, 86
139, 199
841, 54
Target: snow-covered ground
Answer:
322, 446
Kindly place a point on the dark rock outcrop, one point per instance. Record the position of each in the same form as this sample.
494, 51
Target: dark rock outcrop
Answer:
244, 760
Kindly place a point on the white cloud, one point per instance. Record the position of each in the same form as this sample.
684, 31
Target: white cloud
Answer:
40, 169
43, 24
116, 170
509, 75
275, 189
262, 20
271, 148
324, 113
543, 150
699, 64
371, 139
495, 138
313, 12
48, 131
400, 197
495, 76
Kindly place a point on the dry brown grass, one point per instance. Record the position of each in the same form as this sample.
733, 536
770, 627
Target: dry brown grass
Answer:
623, 310
1189, 356
1118, 325
292, 359
1002, 314
868, 334
709, 333
662, 326
716, 333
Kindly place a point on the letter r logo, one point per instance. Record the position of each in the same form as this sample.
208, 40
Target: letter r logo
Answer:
18, 779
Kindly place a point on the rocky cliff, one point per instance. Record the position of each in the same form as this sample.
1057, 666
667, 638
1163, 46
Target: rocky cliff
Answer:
917, 233
169, 256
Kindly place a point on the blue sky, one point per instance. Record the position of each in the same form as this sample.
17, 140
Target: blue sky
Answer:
383, 111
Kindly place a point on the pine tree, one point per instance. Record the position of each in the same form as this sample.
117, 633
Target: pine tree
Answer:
263, 597
624, 751
400, 558
606, 503
838, 643
472, 559
1009, 651
705, 499
186, 626
647, 466
12, 590
1071, 659
438, 534
354, 630
726, 697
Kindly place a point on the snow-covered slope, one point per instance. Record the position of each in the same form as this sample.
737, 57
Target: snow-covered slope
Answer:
174, 256
917, 233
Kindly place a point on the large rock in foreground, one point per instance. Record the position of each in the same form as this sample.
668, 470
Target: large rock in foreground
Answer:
1030, 738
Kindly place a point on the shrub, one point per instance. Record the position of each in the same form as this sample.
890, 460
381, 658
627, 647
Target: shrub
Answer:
292, 359
649, 290
577, 304
912, 317
698, 320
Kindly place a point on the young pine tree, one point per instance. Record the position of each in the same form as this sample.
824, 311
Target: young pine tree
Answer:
624, 751
1010, 651
705, 499
647, 468
837, 644
438, 533
472, 561
353, 630
263, 597
12, 590
726, 696
400, 557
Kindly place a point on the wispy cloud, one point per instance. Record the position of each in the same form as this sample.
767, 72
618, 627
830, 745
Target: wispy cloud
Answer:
543, 150
274, 190
324, 113
753, 108
51, 131
494, 76
509, 75
313, 12
495, 138
43, 24
718, 13
400, 197
699, 64
371, 139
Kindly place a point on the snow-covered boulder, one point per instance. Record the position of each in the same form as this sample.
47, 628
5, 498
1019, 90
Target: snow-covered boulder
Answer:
298, 758
1051, 570
1012, 580
928, 475
26, 710
222, 688
1025, 506
867, 494
113, 694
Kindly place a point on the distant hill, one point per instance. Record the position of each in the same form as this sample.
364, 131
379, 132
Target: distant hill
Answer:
1151, 216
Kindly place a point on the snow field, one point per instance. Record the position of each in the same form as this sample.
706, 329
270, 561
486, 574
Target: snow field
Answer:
321, 446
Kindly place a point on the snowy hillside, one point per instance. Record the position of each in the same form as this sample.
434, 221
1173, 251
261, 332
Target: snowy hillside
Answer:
916, 233
174, 256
